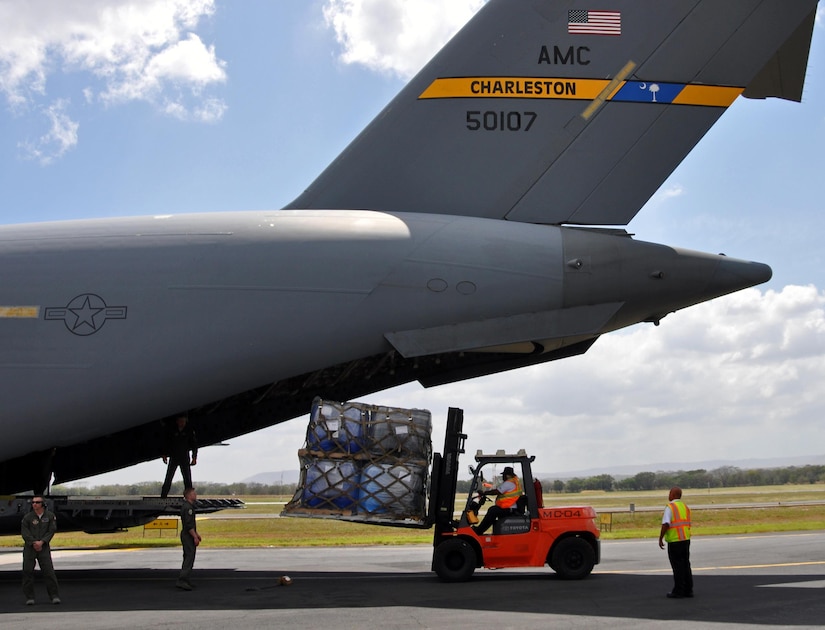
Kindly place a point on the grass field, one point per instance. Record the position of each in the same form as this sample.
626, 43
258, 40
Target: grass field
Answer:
710, 517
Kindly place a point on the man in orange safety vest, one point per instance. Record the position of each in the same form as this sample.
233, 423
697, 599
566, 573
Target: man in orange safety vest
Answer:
507, 494
676, 533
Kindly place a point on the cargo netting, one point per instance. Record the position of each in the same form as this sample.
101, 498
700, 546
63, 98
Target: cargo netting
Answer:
365, 463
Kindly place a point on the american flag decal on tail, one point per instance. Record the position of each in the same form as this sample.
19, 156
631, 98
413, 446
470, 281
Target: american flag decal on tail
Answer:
585, 22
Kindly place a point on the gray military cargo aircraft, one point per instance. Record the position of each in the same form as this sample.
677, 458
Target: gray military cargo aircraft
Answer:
473, 227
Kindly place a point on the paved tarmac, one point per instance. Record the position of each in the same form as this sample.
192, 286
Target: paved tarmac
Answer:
757, 581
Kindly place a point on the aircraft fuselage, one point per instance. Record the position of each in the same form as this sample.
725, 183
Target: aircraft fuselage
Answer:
109, 324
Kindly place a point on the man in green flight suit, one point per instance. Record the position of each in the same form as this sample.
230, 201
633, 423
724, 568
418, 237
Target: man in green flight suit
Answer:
37, 529
189, 538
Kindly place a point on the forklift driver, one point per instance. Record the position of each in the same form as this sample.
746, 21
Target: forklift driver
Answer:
507, 494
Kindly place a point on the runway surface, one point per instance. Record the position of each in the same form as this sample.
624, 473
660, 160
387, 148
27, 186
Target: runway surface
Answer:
756, 581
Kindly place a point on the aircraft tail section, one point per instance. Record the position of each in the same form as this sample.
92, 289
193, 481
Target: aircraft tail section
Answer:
554, 112
784, 74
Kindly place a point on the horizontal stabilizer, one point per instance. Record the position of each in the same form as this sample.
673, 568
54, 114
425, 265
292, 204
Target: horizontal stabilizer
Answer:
503, 331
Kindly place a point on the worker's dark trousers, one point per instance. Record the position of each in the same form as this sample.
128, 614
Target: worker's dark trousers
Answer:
679, 555
189, 549
173, 465
492, 514
44, 559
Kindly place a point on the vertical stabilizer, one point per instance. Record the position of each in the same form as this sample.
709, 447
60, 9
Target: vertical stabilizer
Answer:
553, 112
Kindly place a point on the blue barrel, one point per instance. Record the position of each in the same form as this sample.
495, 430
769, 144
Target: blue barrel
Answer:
392, 489
400, 433
418, 443
352, 431
331, 484
336, 428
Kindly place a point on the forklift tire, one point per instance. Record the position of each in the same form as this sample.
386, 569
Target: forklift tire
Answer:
454, 560
573, 559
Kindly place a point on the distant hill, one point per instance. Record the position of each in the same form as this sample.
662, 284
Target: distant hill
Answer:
273, 478
621, 472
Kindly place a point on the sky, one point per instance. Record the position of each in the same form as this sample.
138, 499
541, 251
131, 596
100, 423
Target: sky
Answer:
136, 107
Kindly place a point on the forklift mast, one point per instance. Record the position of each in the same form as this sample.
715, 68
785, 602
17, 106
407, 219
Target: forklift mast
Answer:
445, 474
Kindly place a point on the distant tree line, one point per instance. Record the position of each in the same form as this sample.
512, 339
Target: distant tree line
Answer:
724, 477
152, 488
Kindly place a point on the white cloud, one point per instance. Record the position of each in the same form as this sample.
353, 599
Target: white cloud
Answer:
61, 136
130, 50
209, 111
184, 64
674, 190
187, 60
396, 36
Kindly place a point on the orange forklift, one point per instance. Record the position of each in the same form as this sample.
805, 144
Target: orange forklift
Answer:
565, 538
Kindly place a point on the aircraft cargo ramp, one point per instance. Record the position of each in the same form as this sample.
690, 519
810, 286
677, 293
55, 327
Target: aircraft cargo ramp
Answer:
101, 514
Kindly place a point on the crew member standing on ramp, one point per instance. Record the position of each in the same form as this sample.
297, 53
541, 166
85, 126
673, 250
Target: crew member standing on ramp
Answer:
179, 442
